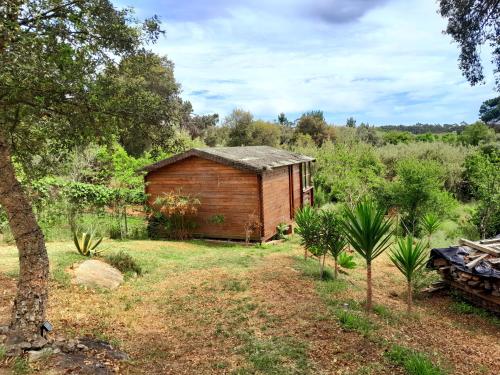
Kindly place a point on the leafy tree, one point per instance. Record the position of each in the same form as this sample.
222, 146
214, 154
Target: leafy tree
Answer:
476, 134
347, 172
417, 190
143, 90
198, 126
410, 258
351, 122
217, 136
427, 137
368, 135
283, 120
314, 124
482, 170
369, 233
331, 235
263, 133
394, 137
239, 123
471, 24
489, 112
52, 54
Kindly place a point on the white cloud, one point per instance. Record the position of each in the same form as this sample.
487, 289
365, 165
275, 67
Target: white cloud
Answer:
391, 64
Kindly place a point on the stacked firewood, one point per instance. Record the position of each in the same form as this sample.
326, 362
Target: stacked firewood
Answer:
484, 253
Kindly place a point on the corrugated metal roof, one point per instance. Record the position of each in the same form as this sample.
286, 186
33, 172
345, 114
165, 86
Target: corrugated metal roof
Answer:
253, 158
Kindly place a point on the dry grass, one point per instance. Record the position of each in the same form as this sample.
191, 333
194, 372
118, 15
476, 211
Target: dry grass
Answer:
229, 309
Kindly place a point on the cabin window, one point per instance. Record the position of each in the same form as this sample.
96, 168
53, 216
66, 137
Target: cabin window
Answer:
306, 175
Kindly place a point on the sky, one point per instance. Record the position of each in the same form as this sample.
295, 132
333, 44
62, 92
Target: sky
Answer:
380, 61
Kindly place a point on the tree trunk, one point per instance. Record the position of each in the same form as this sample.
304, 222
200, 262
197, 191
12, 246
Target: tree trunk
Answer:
336, 268
410, 296
320, 268
368, 287
30, 302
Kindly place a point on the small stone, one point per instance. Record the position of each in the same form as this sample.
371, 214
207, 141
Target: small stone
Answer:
69, 346
25, 345
120, 356
4, 330
39, 343
36, 355
2, 339
82, 347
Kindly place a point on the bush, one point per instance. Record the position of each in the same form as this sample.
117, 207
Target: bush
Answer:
124, 262
413, 362
175, 211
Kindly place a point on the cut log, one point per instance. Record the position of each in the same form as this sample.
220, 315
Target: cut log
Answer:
490, 241
440, 262
478, 246
476, 261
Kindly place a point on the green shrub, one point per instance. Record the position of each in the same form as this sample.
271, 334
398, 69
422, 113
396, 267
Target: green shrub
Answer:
355, 321
115, 231
3, 353
347, 261
124, 262
415, 363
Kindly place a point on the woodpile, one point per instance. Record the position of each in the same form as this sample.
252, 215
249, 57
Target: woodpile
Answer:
473, 268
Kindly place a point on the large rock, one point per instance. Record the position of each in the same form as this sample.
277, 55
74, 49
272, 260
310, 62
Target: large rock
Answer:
95, 273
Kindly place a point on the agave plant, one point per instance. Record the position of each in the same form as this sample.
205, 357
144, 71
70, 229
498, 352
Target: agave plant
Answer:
410, 258
369, 233
281, 230
86, 243
430, 223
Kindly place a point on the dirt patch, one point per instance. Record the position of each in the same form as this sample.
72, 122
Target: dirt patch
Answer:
302, 314
463, 344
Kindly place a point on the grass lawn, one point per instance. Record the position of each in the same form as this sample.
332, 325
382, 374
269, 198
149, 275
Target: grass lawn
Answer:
204, 307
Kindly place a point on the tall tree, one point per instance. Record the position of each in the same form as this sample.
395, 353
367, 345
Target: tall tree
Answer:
351, 122
143, 90
471, 24
51, 53
239, 122
489, 112
313, 123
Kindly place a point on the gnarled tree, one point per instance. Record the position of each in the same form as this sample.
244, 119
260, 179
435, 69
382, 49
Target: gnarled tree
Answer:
51, 55
471, 24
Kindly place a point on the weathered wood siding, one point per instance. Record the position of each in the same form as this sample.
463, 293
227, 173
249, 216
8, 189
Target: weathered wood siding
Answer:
222, 190
276, 199
297, 187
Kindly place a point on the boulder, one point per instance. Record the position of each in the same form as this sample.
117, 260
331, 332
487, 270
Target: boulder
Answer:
96, 273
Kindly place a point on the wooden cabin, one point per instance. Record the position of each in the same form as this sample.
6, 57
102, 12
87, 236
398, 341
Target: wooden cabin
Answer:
239, 185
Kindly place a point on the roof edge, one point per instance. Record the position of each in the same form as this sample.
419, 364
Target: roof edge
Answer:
209, 156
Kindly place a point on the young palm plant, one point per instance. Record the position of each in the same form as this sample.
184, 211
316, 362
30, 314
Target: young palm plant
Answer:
410, 258
332, 237
307, 227
369, 233
430, 223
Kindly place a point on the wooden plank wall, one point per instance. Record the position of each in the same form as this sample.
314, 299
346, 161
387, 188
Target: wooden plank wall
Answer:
276, 200
222, 190
297, 188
